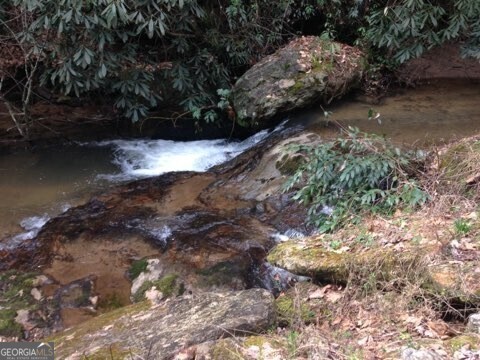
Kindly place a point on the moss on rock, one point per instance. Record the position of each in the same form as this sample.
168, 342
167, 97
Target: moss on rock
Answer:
167, 285
458, 342
8, 326
164, 329
137, 267
313, 259
15, 295
289, 164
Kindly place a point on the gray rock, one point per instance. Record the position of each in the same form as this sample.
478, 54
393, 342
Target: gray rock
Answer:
306, 70
466, 354
473, 324
421, 354
77, 294
168, 328
153, 272
36, 294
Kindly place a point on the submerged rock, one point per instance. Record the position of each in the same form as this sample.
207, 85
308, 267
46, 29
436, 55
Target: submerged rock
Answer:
306, 70
207, 231
164, 330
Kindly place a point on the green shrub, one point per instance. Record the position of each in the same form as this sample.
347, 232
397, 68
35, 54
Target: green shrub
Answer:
407, 28
146, 54
354, 173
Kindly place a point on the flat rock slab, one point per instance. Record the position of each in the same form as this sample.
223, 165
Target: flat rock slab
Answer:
162, 331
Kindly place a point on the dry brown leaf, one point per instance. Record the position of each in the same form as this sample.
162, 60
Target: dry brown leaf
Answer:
365, 323
413, 320
319, 293
337, 321
333, 296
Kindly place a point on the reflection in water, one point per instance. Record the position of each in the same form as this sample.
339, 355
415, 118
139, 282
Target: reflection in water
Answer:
428, 115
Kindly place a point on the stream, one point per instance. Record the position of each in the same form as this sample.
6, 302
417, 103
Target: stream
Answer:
210, 225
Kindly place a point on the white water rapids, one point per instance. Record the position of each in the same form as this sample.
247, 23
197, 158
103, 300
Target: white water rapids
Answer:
65, 175
144, 158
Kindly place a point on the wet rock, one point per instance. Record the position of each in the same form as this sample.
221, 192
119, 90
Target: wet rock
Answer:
164, 330
77, 294
206, 239
306, 70
420, 354
473, 324
211, 230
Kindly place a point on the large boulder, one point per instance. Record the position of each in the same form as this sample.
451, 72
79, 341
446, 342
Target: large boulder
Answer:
164, 330
306, 70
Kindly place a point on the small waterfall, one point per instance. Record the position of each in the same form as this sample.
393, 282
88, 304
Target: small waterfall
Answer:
144, 158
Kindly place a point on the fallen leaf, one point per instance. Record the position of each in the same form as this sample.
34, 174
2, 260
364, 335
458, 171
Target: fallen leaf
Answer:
333, 296
364, 341
319, 293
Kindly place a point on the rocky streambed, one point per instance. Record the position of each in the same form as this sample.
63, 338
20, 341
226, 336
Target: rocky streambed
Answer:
201, 231
166, 266
188, 250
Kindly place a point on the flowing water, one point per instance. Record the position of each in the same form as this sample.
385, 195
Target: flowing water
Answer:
37, 185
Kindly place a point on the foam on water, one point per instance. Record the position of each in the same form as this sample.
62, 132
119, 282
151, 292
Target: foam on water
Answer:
32, 225
144, 158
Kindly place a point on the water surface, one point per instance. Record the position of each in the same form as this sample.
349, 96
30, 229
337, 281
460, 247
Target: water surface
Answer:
430, 114
36, 185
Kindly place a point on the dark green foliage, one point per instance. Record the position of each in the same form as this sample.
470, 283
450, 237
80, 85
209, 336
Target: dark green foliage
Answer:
145, 53
408, 27
354, 173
